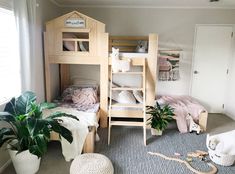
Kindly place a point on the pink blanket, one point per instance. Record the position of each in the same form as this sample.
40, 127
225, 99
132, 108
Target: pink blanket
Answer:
182, 106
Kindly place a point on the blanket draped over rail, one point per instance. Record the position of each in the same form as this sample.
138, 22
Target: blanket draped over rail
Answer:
182, 105
79, 129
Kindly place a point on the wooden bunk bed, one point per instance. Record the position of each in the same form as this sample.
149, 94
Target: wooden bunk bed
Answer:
127, 46
75, 38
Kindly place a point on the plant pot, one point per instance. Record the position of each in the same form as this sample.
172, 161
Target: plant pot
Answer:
156, 132
24, 162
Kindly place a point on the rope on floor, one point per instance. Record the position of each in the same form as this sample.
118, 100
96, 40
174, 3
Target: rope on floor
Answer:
213, 168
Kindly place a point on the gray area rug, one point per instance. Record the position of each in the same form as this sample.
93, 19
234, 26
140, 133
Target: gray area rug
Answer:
130, 156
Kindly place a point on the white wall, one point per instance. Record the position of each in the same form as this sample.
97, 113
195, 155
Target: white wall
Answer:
230, 98
175, 28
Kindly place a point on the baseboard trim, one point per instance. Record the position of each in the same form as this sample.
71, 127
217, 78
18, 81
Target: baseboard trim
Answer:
5, 165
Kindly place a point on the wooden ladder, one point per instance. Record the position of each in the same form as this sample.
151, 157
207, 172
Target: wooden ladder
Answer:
132, 115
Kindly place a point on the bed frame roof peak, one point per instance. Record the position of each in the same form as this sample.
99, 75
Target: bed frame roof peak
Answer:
70, 14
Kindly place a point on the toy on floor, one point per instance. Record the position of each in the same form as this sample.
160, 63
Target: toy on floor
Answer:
188, 160
198, 154
117, 63
221, 148
192, 125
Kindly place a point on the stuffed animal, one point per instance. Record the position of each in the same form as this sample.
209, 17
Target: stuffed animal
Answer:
142, 47
117, 64
222, 143
213, 142
192, 125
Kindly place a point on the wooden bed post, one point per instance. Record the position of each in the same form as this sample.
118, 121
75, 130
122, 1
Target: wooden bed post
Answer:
151, 81
104, 68
64, 77
47, 70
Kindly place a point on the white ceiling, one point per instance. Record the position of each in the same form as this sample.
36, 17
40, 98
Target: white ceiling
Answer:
230, 4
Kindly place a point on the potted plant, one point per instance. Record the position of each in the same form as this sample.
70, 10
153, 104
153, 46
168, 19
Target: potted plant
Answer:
159, 118
28, 133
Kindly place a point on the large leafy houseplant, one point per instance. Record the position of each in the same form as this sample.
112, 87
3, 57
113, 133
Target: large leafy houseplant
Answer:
27, 129
160, 116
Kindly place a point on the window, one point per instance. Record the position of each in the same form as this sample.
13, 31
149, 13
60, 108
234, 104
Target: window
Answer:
10, 78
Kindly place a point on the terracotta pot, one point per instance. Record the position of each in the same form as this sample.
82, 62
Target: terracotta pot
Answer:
24, 162
156, 132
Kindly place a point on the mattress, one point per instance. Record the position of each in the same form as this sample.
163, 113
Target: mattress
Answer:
89, 118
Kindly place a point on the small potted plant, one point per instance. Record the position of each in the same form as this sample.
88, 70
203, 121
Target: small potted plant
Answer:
28, 133
159, 118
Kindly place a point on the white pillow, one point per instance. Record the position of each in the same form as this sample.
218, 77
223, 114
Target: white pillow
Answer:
114, 92
126, 97
138, 96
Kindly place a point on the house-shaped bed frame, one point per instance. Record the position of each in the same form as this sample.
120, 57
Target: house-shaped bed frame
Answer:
77, 31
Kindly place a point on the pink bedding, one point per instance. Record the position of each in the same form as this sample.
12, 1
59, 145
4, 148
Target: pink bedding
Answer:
182, 106
81, 98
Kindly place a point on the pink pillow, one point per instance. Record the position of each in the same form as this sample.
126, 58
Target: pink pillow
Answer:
85, 96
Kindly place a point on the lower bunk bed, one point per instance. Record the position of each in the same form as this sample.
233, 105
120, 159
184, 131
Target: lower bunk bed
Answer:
184, 106
81, 102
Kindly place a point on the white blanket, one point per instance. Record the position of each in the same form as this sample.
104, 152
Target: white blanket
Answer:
79, 129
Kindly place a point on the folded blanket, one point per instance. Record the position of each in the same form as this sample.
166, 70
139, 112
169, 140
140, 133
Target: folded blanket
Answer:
183, 105
79, 129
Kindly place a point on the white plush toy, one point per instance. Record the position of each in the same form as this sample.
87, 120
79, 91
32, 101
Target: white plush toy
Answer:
192, 125
117, 64
223, 143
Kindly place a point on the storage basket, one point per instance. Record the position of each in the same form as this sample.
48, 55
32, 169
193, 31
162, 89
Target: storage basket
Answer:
221, 159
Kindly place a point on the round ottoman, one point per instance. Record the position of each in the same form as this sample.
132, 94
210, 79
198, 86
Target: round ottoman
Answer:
91, 163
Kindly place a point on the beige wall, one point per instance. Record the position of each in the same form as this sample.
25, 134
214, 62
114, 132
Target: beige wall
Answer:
175, 28
45, 12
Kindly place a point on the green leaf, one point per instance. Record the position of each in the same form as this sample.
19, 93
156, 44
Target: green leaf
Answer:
5, 116
46, 105
23, 103
160, 116
10, 107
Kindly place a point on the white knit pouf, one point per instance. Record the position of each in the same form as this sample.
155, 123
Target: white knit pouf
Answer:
91, 163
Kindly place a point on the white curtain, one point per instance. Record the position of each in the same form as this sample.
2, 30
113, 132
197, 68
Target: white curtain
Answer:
25, 13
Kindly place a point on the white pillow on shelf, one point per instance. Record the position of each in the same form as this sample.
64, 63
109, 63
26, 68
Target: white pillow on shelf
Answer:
126, 97
138, 96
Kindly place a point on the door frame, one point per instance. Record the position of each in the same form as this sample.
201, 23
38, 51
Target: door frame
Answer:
193, 54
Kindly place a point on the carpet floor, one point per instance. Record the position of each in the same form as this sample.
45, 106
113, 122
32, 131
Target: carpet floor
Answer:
130, 156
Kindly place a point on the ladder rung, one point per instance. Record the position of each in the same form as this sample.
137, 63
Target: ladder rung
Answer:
127, 113
129, 73
127, 89
127, 123
118, 105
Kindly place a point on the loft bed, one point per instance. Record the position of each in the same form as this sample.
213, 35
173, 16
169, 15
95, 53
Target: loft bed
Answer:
128, 47
75, 38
